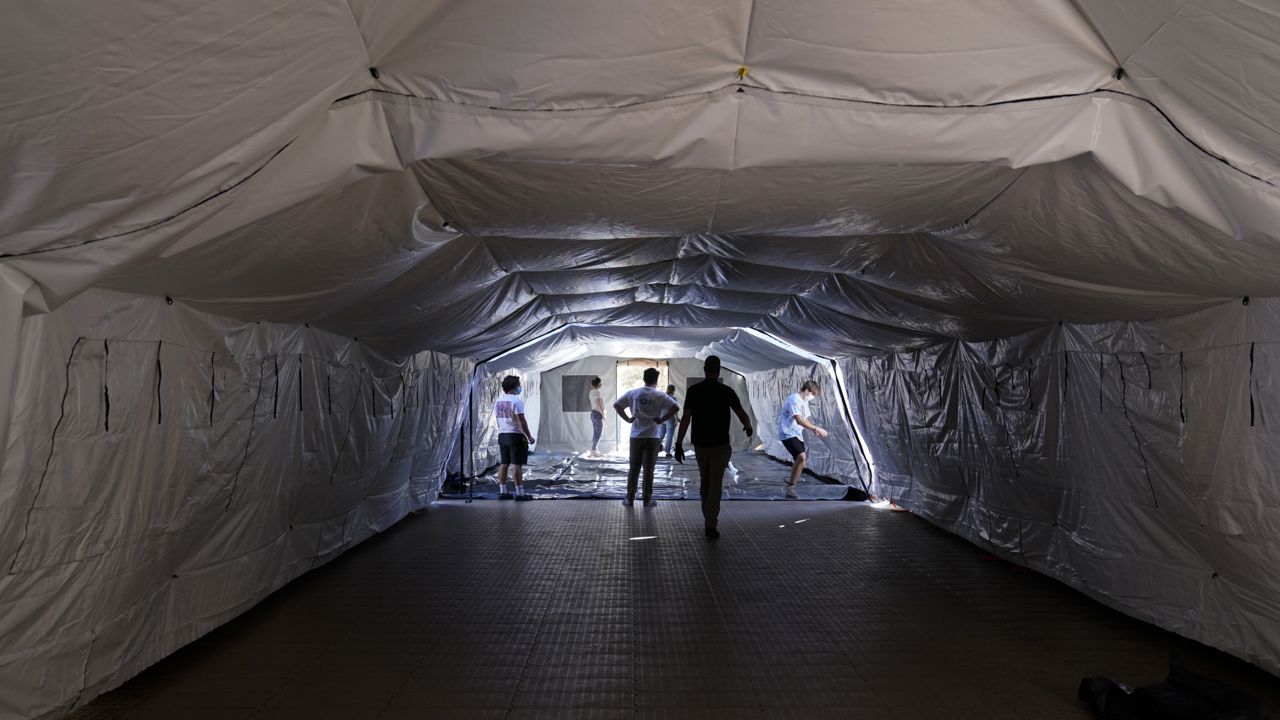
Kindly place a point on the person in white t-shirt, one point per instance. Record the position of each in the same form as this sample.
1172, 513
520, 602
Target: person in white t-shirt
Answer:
792, 422
649, 407
597, 417
514, 437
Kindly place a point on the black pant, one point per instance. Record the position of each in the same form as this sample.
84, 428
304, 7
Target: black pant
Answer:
644, 454
712, 462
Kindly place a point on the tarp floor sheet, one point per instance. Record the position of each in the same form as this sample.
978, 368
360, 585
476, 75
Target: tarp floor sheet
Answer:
751, 476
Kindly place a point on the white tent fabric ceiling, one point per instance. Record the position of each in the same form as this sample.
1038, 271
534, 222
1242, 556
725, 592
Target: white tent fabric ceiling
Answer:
929, 152
1041, 249
963, 202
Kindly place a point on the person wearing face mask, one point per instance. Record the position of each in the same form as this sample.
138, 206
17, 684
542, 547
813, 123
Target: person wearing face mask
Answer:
514, 438
792, 422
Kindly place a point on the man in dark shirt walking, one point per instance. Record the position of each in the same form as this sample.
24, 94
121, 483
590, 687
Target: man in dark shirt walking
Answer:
706, 406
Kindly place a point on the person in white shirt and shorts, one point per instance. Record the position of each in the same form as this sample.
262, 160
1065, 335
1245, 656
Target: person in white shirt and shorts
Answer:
792, 422
514, 438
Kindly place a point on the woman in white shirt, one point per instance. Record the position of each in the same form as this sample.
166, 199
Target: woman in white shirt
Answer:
597, 417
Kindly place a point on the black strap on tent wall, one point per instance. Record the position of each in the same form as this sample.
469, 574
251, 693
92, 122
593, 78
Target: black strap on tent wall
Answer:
391, 401
1251, 403
1182, 388
1030, 367
106, 389
1003, 421
462, 443
62, 415
346, 432
1124, 408
159, 379
275, 397
471, 446
253, 421
1102, 377
213, 384
1066, 374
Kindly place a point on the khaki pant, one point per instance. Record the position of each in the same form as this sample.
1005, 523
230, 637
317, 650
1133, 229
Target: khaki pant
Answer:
644, 455
712, 462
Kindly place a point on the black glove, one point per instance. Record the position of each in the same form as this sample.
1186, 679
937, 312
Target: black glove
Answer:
747, 429
679, 453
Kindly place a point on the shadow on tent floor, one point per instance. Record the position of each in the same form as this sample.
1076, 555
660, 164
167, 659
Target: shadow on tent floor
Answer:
561, 610
751, 476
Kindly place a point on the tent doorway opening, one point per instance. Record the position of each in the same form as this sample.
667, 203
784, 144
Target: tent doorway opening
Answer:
631, 376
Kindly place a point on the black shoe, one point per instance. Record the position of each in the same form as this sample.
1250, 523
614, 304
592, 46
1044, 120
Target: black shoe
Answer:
627, 501
505, 496
711, 533
650, 503
523, 497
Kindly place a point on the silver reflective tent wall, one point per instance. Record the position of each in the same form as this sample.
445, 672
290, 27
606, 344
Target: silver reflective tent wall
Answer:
251, 256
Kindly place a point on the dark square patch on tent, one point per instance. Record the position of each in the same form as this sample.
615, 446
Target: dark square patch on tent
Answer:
575, 393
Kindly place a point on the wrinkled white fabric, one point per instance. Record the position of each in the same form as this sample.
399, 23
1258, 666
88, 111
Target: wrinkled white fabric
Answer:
1130, 460
168, 469
932, 205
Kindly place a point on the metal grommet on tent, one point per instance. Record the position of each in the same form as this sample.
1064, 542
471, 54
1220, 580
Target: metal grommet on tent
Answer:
374, 72
1246, 300
168, 300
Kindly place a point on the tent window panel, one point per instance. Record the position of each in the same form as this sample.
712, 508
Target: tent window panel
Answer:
575, 393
